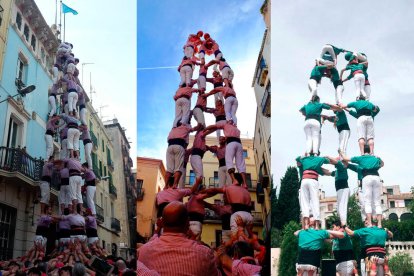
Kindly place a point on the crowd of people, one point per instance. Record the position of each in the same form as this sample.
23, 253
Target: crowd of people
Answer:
372, 236
177, 247
67, 243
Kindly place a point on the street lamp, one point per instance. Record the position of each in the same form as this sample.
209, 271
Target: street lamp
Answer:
83, 64
21, 89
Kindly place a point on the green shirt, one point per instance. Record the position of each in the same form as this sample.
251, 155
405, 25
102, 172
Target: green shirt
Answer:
371, 236
314, 109
367, 162
312, 239
317, 72
313, 163
340, 118
356, 169
361, 104
341, 172
355, 67
373, 113
342, 244
337, 50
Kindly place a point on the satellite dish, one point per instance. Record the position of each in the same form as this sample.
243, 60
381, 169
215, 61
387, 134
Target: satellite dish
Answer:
27, 89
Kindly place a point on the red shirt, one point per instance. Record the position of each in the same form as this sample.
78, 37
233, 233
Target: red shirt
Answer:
237, 194
184, 92
196, 204
227, 92
241, 268
201, 101
170, 195
180, 132
228, 129
174, 254
200, 141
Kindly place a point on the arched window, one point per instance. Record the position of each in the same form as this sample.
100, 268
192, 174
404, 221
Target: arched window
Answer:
406, 216
393, 216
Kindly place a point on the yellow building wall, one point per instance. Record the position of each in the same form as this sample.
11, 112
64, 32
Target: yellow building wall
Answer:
151, 172
6, 5
210, 164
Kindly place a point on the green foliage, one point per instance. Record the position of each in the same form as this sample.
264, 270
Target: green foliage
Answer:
354, 222
273, 206
287, 207
400, 264
331, 219
411, 206
276, 236
289, 250
403, 230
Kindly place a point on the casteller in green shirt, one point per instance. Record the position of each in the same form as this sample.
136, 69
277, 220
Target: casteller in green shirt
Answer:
370, 236
314, 109
367, 162
342, 244
313, 163
312, 239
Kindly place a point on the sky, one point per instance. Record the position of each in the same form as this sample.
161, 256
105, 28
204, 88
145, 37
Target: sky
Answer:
384, 33
104, 34
163, 28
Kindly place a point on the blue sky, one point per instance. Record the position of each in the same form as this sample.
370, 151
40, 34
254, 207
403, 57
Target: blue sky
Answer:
163, 27
104, 33
380, 30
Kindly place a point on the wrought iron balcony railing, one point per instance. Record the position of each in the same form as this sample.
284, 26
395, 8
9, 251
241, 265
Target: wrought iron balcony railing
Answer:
115, 224
17, 160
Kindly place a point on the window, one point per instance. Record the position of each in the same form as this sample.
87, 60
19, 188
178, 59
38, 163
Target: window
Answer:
43, 55
8, 228
330, 207
14, 134
100, 167
390, 191
191, 178
103, 146
103, 244
90, 126
249, 180
262, 66
266, 104
216, 178
218, 238
245, 155
33, 42
21, 69
19, 21
112, 210
26, 32
104, 171
1, 14
407, 202
140, 182
392, 204
102, 200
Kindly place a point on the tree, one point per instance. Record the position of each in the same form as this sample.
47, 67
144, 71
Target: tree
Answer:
400, 264
331, 219
289, 250
354, 222
287, 206
273, 206
276, 236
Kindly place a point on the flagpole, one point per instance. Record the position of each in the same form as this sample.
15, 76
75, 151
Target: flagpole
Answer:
60, 20
56, 8
64, 26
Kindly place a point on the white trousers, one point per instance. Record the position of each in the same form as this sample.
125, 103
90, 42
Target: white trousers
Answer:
234, 150
312, 130
75, 184
218, 96
90, 195
224, 177
338, 93
40, 241
230, 107
218, 131
367, 89
197, 165
345, 268
72, 101
365, 126
70, 68
44, 192
343, 140
66, 109
182, 110
313, 87
82, 115
359, 80
52, 102
227, 73
343, 196
372, 189
88, 155
93, 240
330, 50
73, 139
186, 73
175, 158
201, 82
188, 52
64, 195
361, 203
64, 149
55, 76
199, 116
49, 145
181, 182
245, 216
309, 198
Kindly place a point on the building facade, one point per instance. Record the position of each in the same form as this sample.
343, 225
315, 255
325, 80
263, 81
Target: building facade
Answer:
106, 197
262, 133
25, 59
126, 186
150, 177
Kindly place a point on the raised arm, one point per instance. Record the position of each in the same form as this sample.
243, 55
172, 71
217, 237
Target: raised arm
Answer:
332, 160
335, 234
210, 129
349, 231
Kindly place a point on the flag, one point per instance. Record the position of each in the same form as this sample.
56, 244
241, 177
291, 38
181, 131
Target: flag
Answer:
66, 9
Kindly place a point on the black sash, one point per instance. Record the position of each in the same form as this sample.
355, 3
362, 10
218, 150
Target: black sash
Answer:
72, 125
232, 139
193, 216
236, 207
74, 172
47, 178
50, 132
198, 152
42, 231
91, 232
343, 255
313, 116
90, 183
222, 162
85, 141
341, 184
64, 181
64, 233
176, 141
343, 127
220, 118
370, 172
309, 257
364, 112
77, 230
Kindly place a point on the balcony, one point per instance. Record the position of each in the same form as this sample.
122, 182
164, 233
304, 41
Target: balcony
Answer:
265, 180
213, 182
266, 104
100, 218
15, 160
115, 225
190, 180
130, 163
260, 195
112, 189
94, 140
111, 165
96, 170
251, 185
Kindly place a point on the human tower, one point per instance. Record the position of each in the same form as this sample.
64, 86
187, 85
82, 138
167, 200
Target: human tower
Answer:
235, 211
367, 165
76, 230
